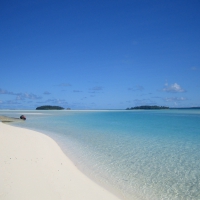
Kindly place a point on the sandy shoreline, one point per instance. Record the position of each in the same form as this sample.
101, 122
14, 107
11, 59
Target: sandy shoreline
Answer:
32, 166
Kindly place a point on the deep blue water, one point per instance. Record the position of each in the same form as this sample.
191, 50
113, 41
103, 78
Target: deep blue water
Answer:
144, 155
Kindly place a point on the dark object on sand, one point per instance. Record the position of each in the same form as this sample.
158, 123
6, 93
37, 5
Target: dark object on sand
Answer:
23, 117
11, 119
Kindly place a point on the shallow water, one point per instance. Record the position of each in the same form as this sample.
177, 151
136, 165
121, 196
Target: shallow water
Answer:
142, 155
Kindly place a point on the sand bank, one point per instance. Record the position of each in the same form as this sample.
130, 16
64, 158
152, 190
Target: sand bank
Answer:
33, 167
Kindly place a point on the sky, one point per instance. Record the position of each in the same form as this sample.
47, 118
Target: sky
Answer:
99, 54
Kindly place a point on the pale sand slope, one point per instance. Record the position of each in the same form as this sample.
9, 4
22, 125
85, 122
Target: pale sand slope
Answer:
33, 167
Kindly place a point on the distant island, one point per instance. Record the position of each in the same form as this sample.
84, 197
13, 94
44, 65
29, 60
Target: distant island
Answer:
186, 108
147, 108
49, 108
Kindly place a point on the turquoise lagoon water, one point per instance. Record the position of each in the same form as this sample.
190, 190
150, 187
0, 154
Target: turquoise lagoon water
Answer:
138, 155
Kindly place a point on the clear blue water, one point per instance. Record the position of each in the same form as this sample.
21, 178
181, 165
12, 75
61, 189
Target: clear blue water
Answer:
142, 155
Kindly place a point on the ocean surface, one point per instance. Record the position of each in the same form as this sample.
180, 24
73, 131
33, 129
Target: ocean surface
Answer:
138, 155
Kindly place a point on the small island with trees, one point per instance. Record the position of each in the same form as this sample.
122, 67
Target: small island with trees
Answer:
47, 107
148, 108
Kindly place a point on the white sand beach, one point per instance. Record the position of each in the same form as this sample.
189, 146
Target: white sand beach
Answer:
33, 167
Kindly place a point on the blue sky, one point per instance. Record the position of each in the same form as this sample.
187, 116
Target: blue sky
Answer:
92, 54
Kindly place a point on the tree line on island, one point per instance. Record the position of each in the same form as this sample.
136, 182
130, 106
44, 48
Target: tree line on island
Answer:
147, 108
48, 107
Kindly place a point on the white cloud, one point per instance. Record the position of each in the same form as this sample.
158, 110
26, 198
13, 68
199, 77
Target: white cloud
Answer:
46, 93
175, 99
10, 102
23, 96
20, 96
174, 88
77, 91
5, 92
194, 68
96, 89
136, 88
139, 102
64, 85
55, 101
